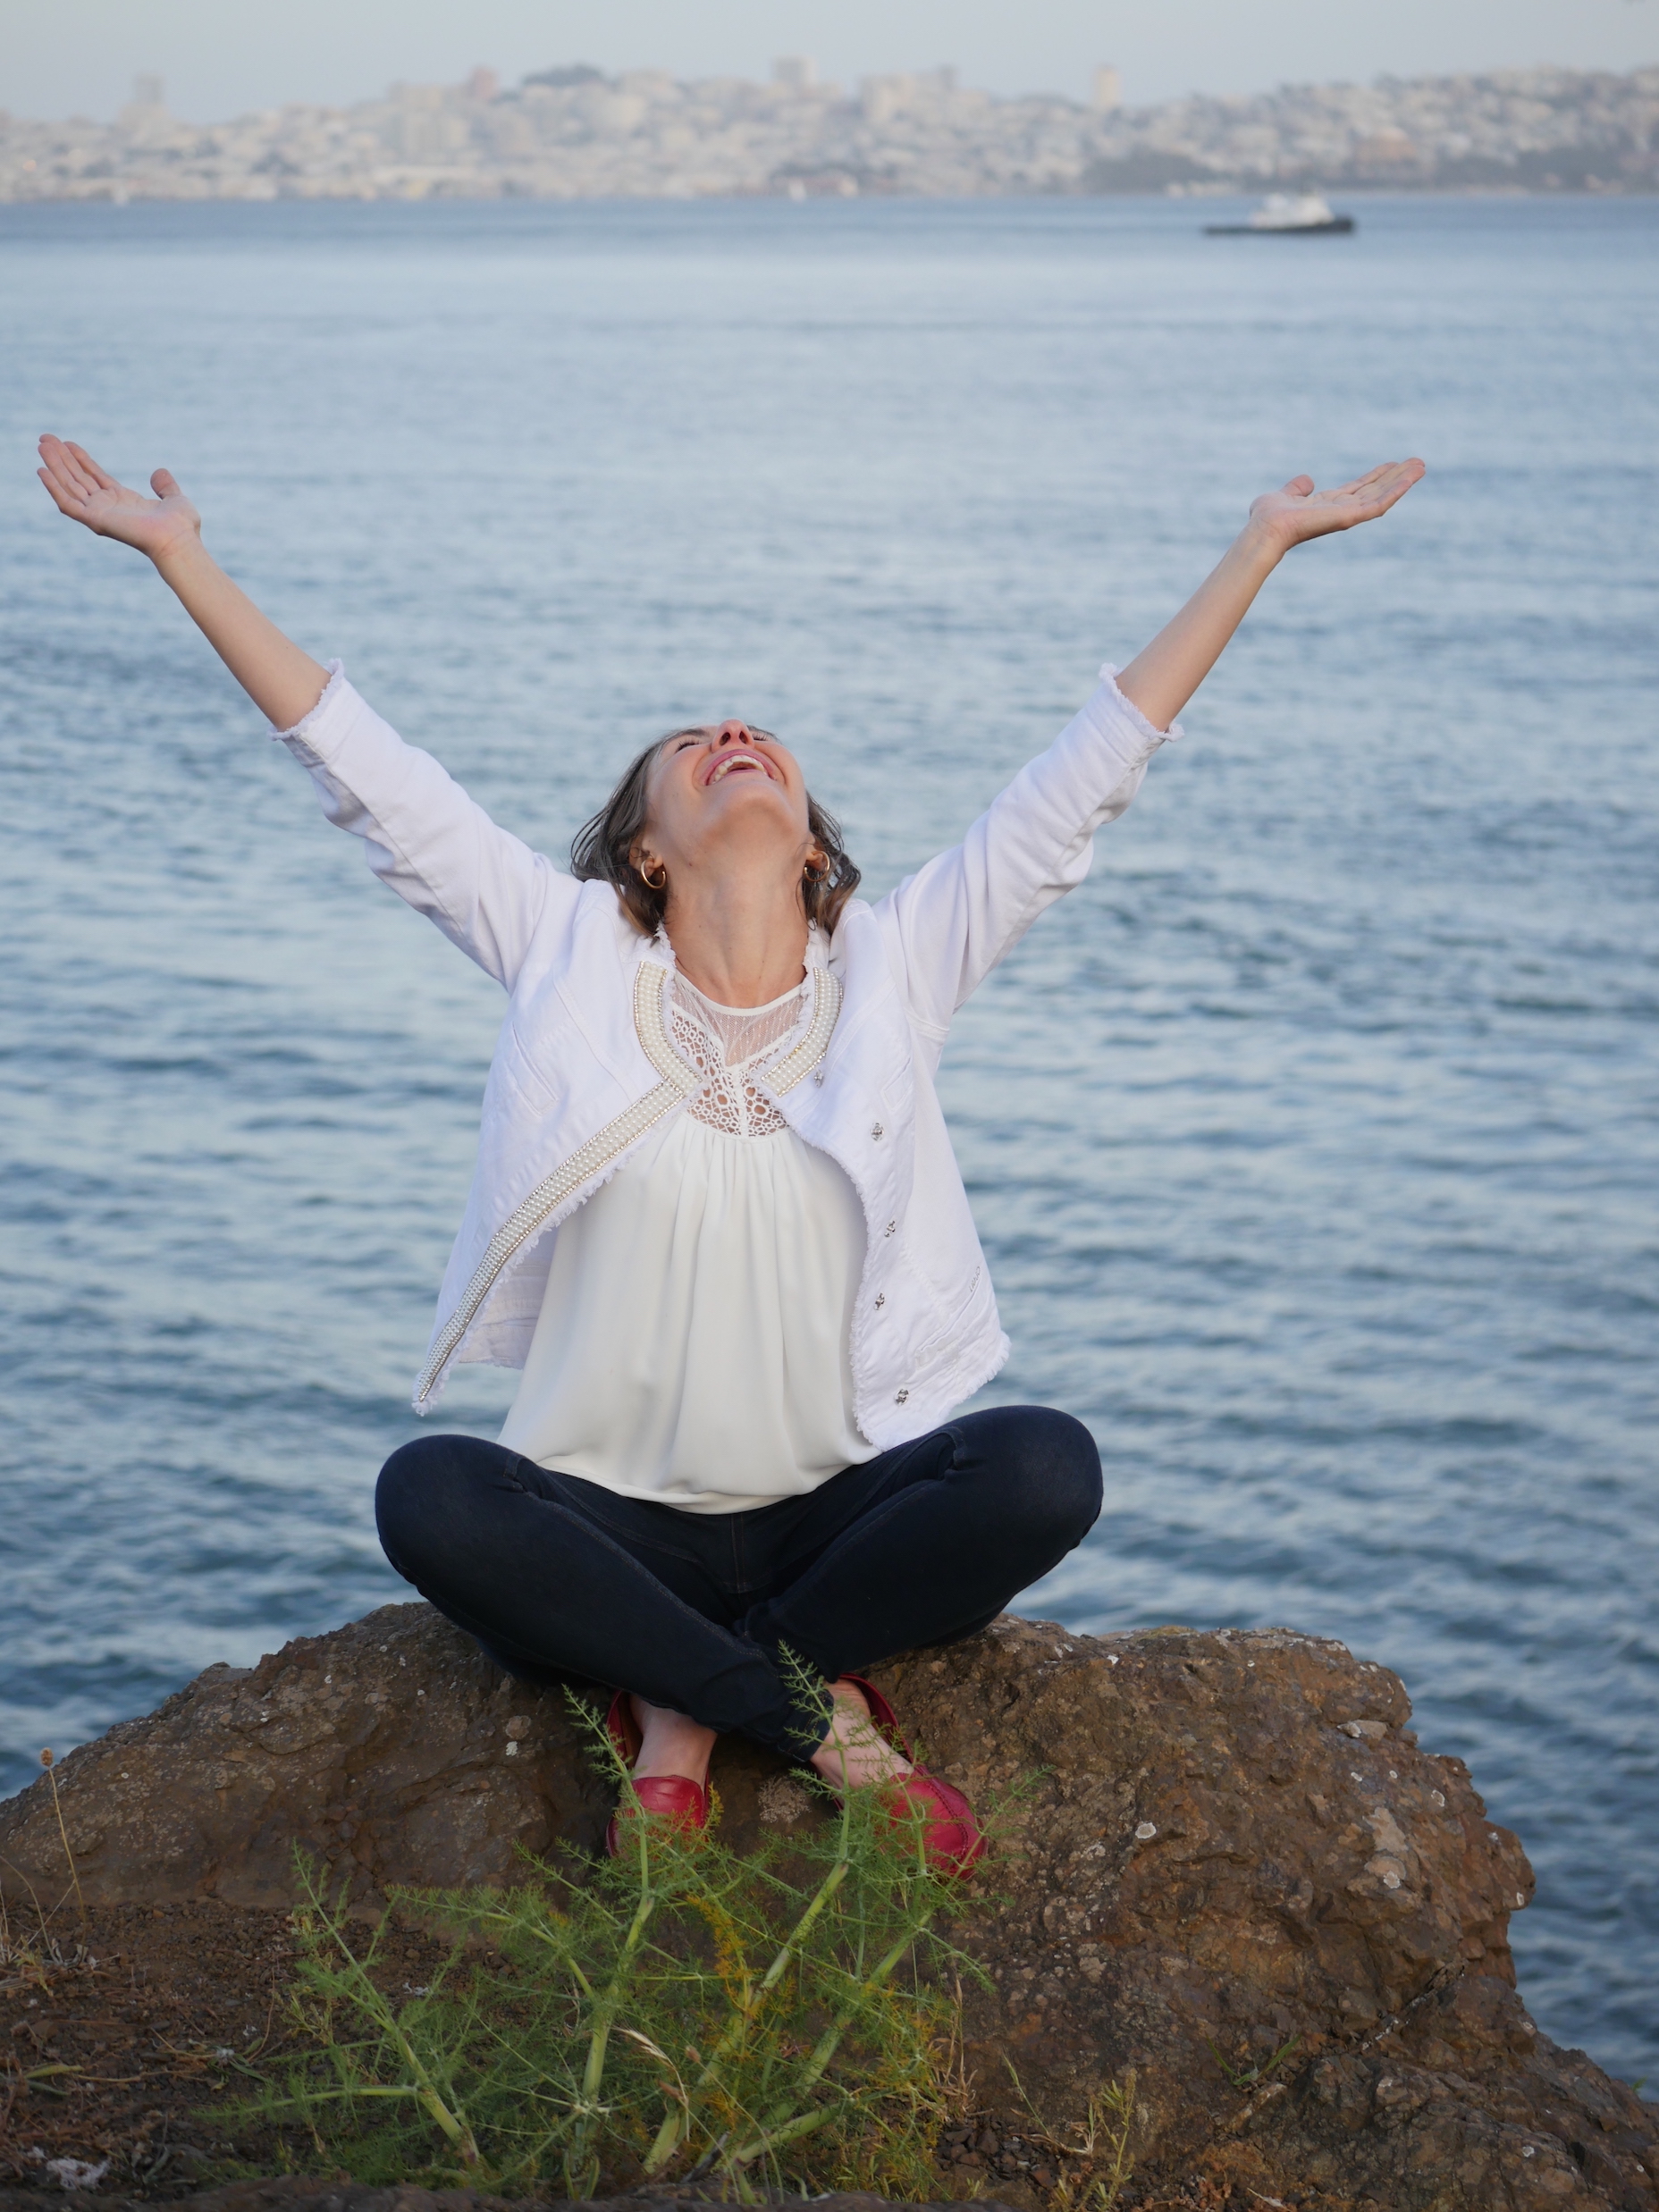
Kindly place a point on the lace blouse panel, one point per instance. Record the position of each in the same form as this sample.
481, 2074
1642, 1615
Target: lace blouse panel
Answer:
723, 1043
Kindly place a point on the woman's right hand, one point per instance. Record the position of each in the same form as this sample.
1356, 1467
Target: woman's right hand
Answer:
284, 682
89, 495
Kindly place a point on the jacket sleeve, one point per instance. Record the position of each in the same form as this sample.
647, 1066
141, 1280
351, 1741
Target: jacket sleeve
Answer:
949, 924
423, 837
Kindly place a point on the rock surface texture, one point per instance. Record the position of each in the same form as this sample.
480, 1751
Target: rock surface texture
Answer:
294, 2194
1236, 1875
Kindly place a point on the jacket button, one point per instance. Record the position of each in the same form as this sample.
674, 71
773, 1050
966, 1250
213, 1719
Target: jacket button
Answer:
880, 1298
891, 1226
899, 1397
818, 1075
876, 1132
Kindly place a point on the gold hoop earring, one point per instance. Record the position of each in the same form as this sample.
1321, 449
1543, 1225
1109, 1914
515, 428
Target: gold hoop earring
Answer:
818, 875
654, 883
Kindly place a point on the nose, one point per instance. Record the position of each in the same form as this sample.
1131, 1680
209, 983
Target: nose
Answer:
732, 734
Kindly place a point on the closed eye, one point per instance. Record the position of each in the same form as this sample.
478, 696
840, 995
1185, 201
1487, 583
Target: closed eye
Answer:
757, 737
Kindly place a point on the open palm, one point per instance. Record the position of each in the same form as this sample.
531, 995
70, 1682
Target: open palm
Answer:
1298, 511
89, 494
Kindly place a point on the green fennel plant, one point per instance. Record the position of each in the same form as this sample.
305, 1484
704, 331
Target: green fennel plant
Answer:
683, 2012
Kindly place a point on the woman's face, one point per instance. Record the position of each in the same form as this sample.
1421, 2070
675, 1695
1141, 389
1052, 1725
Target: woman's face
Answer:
728, 791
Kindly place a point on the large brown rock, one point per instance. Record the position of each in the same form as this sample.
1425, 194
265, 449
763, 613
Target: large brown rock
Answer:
1233, 1849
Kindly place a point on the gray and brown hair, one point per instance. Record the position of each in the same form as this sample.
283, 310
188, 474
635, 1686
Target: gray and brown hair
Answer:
603, 849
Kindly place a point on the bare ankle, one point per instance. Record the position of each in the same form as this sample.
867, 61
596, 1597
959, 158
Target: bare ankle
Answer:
671, 1743
854, 1754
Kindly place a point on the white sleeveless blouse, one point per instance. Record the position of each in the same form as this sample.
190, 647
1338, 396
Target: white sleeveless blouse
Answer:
693, 1343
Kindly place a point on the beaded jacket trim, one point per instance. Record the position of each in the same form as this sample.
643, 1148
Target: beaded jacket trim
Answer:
797, 1066
651, 986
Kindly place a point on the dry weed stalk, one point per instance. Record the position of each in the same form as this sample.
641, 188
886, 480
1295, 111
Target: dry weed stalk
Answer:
57, 1807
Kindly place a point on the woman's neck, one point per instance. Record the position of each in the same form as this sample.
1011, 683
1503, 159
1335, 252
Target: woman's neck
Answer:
740, 945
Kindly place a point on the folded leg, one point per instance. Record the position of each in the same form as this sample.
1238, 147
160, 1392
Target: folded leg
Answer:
555, 1587
930, 1541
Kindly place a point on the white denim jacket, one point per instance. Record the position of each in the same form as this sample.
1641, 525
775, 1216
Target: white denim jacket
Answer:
583, 1066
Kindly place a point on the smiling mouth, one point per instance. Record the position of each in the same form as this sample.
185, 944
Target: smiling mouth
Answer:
734, 760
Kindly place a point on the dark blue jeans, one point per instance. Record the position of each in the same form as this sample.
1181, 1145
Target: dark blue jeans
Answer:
561, 1581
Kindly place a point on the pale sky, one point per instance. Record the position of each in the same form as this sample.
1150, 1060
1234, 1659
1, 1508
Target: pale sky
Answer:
62, 57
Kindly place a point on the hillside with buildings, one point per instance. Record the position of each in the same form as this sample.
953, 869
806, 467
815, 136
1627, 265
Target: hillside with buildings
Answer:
571, 133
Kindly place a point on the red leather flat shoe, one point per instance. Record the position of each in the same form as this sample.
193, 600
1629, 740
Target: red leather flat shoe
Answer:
674, 1797
951, 1838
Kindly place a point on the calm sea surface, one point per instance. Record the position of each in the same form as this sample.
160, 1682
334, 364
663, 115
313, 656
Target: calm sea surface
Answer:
1313, 1141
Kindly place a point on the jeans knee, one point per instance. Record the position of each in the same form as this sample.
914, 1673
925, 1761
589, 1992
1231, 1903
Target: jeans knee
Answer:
404, 1500
1075, 1475
1060, 1478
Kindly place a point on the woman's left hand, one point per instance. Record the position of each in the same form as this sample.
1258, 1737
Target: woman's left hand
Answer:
1164, 677
1297, 510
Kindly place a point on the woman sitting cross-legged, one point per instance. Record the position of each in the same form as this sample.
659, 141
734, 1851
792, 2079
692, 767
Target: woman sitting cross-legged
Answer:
715, 1219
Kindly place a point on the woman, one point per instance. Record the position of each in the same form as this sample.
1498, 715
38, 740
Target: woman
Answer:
716, 1218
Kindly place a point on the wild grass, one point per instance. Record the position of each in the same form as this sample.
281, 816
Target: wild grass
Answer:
1095, 2160
36, 1956
788, 2018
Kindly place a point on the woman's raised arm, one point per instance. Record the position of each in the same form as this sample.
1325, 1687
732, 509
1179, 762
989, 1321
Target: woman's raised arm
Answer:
422, 834
952, 921
1164, 677
284, 682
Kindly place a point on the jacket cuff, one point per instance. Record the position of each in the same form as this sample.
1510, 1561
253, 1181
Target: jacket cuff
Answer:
310, 726
1116, 705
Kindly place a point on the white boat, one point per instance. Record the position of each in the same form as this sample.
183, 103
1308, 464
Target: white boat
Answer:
1282, 215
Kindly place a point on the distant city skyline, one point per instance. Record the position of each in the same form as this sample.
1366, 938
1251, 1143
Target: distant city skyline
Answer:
65, 57
570, 133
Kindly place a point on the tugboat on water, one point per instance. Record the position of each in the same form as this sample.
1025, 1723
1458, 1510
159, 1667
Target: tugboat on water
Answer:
1286, 215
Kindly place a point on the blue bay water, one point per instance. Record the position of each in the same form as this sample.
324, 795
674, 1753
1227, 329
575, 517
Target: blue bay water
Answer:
1313, 1141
